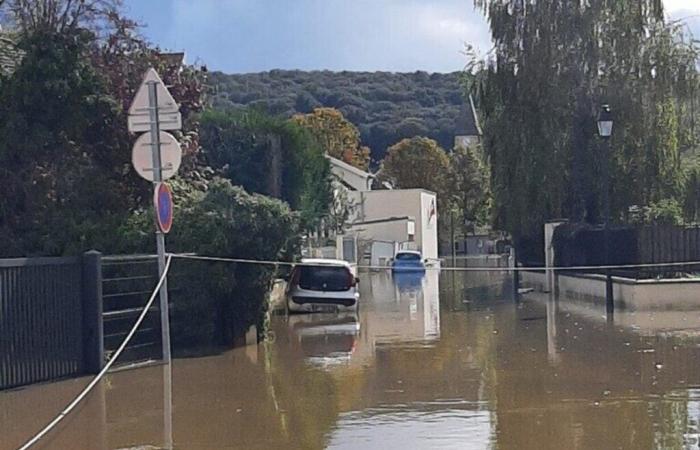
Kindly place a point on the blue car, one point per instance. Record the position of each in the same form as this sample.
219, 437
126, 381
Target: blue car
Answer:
408, 261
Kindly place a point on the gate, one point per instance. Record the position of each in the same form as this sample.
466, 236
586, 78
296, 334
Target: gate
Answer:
48, 324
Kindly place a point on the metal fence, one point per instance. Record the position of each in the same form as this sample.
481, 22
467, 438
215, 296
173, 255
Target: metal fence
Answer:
48, 326
127, 281
583, 245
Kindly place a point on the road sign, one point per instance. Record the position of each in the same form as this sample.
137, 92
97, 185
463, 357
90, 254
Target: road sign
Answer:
170, 156
163, 202
168, 110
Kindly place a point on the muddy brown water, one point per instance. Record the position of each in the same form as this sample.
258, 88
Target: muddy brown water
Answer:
437, 362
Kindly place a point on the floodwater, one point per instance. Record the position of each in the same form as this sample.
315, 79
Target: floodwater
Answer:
444, 361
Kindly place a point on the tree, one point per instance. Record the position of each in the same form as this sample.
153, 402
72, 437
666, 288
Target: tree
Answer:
59, 16
552, 68
63, 126
270, 156
56, 119
337, 136
418, 162
470, 185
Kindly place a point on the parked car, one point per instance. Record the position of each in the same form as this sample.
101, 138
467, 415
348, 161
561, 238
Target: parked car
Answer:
408, 261
322, 285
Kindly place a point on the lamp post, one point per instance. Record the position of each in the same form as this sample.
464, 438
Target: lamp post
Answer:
605, 127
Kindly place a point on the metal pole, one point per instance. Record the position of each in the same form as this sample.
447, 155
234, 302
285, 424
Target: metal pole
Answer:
160, 237
609, 301
452, 233
160, 244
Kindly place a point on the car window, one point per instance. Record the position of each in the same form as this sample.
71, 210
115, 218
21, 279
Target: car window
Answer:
325, 278
407, 257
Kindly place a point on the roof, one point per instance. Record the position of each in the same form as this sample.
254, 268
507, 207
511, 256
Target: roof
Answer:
349, 167
387, 220
10, 56
325, 262
468, 121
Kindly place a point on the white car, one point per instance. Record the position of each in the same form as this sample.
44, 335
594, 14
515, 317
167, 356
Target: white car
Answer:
322, 285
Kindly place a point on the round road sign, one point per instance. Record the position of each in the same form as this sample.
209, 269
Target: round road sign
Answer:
163, 202
170, 156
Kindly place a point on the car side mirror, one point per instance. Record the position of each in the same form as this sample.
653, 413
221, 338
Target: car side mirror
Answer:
357, 281
425, 260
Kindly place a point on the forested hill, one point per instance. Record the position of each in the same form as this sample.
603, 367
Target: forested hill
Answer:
386, 107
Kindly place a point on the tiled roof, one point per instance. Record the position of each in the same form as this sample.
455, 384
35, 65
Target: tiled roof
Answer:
10, 56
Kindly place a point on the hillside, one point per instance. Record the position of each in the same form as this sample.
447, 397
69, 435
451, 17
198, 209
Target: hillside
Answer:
386, 107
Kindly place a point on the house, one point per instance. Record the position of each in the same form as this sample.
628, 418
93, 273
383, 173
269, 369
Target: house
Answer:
468, 131
380, 222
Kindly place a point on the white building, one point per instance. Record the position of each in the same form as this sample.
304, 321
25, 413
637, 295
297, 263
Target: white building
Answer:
405, 216
387, 219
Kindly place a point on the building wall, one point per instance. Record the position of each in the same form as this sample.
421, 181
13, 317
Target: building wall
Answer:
395, 231
416, 203
429, 228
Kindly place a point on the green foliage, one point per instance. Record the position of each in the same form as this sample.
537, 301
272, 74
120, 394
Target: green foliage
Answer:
666, 212
470, 181
418, 162
337, 136
539, 97
270, 156
386, 107
224, 221
56, 119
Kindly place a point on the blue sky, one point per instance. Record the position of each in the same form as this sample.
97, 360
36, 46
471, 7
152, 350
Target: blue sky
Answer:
238, 36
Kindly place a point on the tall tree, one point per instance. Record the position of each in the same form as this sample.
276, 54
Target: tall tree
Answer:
418, 162
553, 66
336, 135
469, 177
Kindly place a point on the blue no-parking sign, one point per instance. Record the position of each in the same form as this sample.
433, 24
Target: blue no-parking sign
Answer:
163, 202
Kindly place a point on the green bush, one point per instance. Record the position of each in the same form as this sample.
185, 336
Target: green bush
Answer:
219, 301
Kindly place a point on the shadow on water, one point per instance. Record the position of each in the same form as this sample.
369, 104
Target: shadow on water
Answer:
435, 361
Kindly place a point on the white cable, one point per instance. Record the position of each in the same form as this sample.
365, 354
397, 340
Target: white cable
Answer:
448, 269
106, 368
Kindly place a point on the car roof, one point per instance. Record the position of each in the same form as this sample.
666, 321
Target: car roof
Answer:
410, 252
325, 262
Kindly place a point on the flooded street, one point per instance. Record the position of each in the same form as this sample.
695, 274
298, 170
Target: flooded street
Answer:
443, 361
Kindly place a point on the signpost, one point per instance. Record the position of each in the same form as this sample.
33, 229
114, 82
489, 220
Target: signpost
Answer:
170, 156
156, 157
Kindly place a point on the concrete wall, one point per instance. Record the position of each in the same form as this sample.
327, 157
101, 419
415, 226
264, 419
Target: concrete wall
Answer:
429, 225
629, 295
383, 204
396, 230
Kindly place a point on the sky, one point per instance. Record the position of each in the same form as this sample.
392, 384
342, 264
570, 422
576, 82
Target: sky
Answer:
241, 36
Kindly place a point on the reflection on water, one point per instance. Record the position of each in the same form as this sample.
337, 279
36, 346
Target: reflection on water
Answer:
430, 361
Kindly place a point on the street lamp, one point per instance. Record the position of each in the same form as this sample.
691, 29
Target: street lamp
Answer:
605, 127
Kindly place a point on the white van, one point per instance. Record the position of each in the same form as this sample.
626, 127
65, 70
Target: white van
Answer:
322, 285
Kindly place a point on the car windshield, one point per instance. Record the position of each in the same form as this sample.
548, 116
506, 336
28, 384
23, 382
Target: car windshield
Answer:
408, 257
325, 278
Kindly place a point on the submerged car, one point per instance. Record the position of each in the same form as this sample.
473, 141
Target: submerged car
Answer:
408, 261
322, 285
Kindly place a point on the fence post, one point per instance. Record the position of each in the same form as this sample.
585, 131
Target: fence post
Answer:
93, 330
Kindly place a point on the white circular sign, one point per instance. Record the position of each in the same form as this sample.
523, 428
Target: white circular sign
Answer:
170, 156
